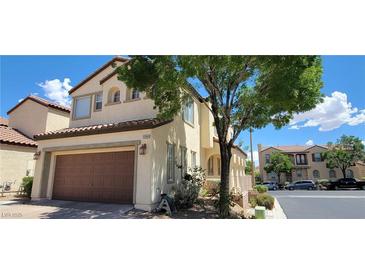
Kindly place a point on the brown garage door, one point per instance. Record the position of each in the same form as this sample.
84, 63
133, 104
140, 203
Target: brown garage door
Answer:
95, 177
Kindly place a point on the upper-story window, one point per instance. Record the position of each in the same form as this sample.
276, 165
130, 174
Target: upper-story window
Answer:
82, 107
116, 97
135, 94
98, 101
317, 157
301, 159
267, 158
188, 111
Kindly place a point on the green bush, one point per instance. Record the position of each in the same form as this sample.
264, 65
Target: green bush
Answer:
261, 188
262, 199
27, 185
187, 192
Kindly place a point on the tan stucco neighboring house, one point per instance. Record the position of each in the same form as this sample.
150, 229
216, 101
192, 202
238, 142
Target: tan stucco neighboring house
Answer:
31, 116
308, 164
116, 150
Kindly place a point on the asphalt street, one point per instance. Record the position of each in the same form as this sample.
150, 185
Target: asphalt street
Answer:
304, 204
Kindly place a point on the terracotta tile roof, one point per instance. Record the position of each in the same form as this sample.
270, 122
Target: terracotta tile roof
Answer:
293, 148
3, 121
234, 146
43, 102
115, 59
103, 128
12, 136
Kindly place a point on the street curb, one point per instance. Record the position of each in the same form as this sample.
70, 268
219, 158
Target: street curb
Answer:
278, 212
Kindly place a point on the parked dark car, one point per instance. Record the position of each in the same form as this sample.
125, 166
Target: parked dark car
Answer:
270, 185
303, 184
347, 183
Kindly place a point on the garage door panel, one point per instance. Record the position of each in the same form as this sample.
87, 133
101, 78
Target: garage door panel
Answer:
100, 177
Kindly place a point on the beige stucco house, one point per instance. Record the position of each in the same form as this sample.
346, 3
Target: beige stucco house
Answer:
31, 116
116, 150
308, 164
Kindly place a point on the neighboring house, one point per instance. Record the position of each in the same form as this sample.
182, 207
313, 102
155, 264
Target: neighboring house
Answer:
31, 116
116, 150
308, 164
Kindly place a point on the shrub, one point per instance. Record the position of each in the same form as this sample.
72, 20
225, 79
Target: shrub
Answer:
27, 185
187, 192
265, 200
261, 188
262, 199
322, 184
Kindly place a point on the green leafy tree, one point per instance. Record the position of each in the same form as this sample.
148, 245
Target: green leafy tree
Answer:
279, 163
248, 167
344, 153
243, 92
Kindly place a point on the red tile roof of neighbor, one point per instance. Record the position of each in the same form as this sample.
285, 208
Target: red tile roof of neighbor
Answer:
294, 148
103, 128
12, 136
43, 102
3, 121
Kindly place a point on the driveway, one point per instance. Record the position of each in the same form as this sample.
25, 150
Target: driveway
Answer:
55, 209
343, 204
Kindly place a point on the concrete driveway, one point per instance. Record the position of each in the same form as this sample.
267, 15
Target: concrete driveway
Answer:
339, 204
56, 209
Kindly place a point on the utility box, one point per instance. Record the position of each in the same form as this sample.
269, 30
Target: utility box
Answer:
260, 212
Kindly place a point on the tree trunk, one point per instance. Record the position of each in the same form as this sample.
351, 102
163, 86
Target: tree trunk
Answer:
224, 202
343, 172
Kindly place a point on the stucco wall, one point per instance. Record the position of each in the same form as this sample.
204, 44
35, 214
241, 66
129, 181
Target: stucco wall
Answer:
179, 133
57, 119
124, 111
14, 162
30, 118
143, 175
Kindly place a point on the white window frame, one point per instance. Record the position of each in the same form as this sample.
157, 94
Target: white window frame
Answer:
96, 101
188, 111
75, 117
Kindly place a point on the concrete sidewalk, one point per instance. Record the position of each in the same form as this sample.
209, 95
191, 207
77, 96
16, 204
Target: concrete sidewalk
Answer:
276, 213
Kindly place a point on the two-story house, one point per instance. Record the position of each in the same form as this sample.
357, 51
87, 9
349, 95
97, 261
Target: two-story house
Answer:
308, 164
116, 150
33, 115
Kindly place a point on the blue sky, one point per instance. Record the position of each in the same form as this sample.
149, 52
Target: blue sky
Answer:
342, 113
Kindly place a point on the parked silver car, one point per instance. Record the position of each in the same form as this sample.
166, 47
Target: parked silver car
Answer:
302, 184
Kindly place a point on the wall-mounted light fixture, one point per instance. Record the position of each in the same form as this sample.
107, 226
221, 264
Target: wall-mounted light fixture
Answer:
36, 155
142, 149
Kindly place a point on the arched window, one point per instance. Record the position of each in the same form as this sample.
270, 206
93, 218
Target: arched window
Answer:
332, 173
116, 96
316, 173
349, 173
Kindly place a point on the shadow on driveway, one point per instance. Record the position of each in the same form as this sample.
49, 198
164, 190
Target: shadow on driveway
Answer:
56, 209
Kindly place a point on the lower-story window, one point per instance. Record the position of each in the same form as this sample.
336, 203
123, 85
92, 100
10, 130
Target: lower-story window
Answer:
170, 163
193, 159
332, 173
210, 166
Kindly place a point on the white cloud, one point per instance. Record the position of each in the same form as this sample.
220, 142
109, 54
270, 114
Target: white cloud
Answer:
57, 90
363, 142
334, 112
255, 157
309, 143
